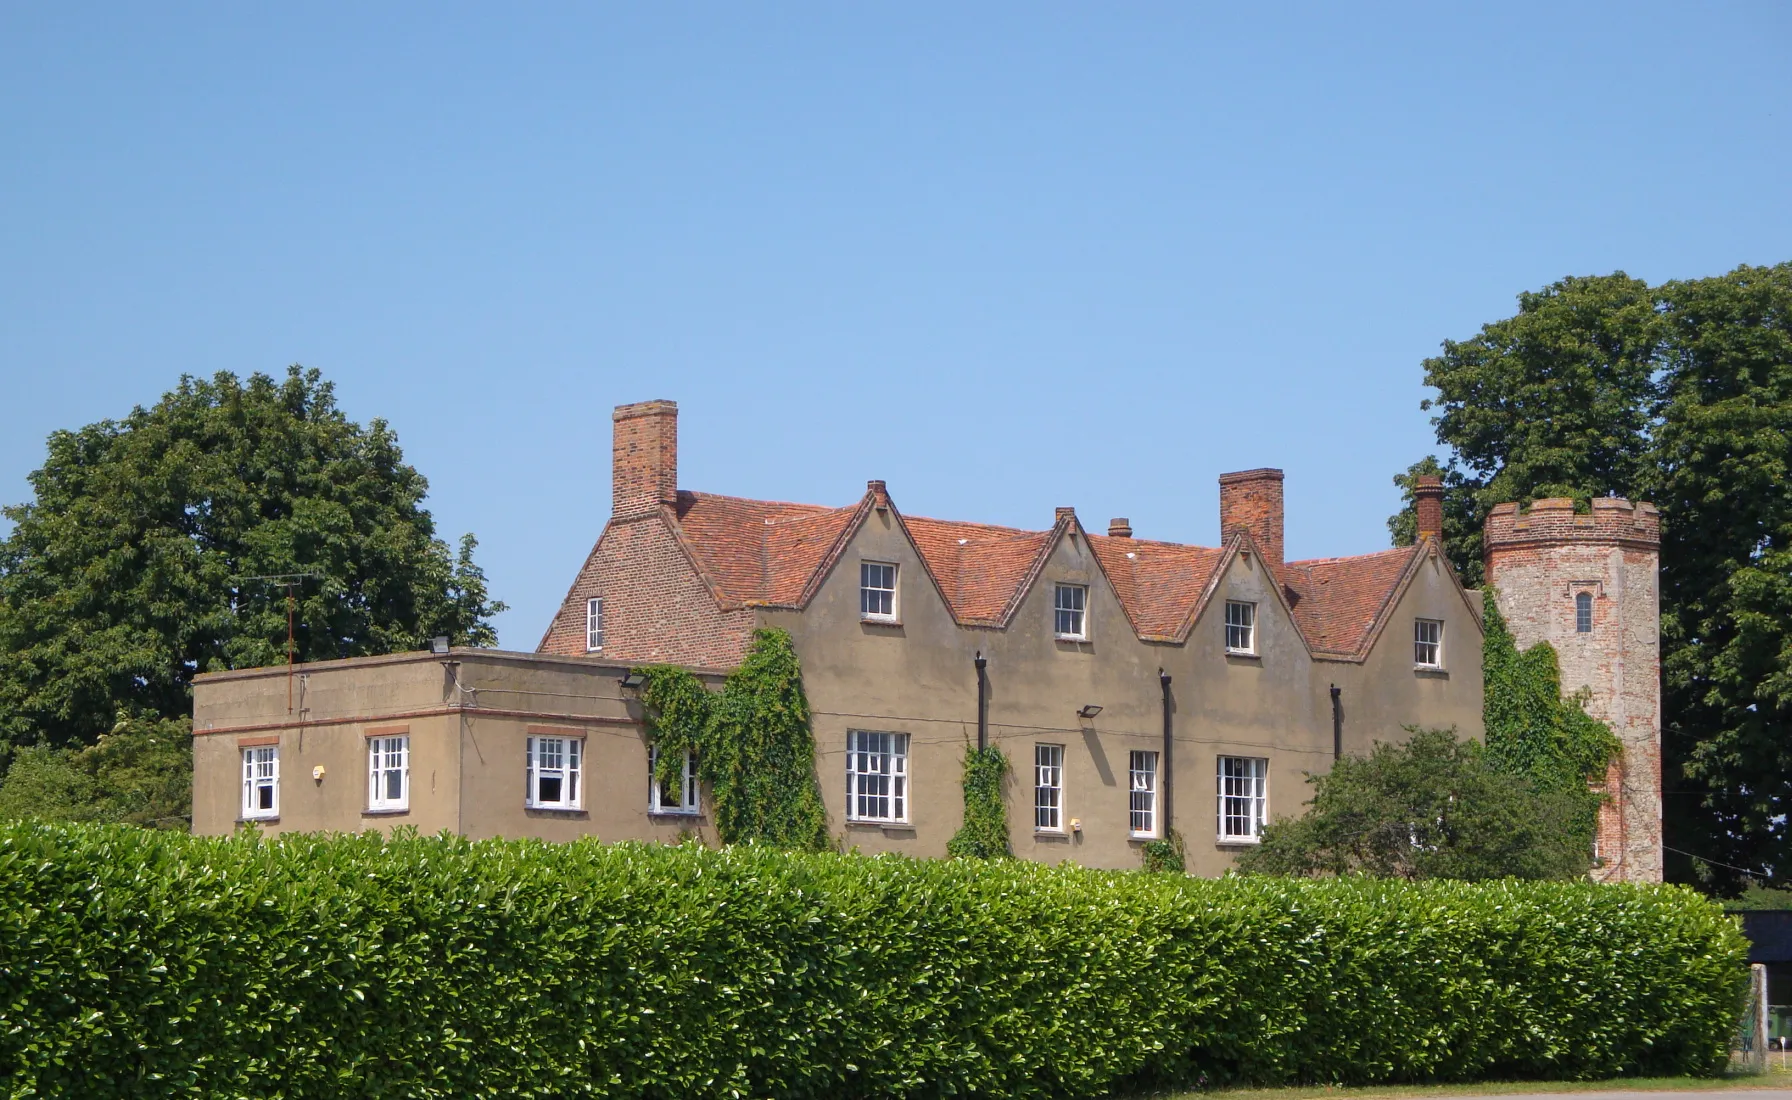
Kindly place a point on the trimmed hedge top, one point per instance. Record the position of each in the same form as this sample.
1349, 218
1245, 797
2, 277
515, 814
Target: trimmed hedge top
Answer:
138, 964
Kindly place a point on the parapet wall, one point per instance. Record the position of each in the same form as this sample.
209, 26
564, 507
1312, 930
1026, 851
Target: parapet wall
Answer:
1612, 521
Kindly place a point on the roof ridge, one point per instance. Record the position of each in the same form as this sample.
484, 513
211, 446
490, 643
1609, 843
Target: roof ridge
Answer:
1352, 557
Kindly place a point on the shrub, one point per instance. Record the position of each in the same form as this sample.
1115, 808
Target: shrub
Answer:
984, 834
139, 963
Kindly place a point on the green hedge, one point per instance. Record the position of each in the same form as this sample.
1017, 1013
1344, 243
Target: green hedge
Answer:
138, 963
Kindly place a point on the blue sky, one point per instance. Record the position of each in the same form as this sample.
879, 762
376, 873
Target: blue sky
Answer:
1003, 256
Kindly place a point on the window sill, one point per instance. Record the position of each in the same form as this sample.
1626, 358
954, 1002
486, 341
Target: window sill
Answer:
1142, 838
1431, 672
1238, 841
1243, 655
879, 620
886, 826
264, 820
386, 811
555, 811
687, 815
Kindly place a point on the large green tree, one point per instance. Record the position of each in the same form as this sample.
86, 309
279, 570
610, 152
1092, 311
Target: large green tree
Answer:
1682, 395
134, 566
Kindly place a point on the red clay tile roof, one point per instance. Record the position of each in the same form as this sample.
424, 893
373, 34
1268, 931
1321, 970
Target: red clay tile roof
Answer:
772, 552
1337, 600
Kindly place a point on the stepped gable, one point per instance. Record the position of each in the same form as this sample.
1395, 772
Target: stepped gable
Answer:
1338, 601
759, 552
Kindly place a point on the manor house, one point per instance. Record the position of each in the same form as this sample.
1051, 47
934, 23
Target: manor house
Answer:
1136, 685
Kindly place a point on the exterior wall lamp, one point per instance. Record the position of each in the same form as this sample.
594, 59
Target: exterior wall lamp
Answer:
633, 679
1089, 710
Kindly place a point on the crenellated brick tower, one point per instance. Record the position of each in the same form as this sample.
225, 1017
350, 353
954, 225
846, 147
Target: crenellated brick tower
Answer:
1587, 584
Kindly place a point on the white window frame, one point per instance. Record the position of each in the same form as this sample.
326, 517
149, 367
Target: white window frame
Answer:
261, 771
877, 602
1432, 647
594, 624
1583, 600
690, 796
877, 776
1243, 791
1241, 627
389, 755
560, 757
1077, 607
1141, 792
1048, 788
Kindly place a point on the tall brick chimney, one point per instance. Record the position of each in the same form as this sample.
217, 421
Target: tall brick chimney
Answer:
1252, 499
1428, 501
644, 458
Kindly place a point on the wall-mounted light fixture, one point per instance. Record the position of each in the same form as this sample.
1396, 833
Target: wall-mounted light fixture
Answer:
317, 773
633, 679
1089, 710
438, 645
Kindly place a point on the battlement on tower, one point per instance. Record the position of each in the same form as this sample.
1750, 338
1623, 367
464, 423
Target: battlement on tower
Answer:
1553, 521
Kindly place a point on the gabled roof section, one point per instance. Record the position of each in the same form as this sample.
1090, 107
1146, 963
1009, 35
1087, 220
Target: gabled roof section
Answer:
1159, 583
777, 554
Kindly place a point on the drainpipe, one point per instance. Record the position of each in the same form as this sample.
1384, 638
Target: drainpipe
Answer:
982, 663
1337, 722
1163, 681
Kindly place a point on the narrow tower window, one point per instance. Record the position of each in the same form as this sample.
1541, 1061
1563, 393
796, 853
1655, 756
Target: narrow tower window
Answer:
1583, 612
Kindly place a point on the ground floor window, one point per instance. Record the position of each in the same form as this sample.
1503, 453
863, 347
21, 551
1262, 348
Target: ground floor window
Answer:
261, 781
1142, 769
1243, 786
1048, 787
388, 773
677, 797
876, 776
554, 771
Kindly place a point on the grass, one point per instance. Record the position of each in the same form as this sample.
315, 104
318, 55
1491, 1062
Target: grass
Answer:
1775, 1078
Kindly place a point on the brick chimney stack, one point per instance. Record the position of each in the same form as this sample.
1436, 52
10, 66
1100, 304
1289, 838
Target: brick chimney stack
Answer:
644, 458
1428, 501
1252, 499
1120, 528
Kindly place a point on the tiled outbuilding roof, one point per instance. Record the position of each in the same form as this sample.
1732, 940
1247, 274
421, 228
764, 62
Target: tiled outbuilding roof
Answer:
772, 553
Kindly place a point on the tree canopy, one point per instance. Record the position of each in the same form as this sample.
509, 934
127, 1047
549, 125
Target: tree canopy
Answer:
1434, 807
134, 567
1680, 394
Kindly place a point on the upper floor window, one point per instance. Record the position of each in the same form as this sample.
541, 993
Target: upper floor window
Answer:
594, 624
1428, 643
678, 796
1241, 627
554, 772
1142, 796
1243, 782
388, 773
1048, 787
1070, 611
876, 776
261, 781
877, 590
1583, 612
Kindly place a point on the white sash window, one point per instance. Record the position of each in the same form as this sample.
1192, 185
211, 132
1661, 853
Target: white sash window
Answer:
554, 772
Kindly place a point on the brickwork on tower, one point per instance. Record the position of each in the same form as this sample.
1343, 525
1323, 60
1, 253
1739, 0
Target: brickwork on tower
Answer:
1588, 585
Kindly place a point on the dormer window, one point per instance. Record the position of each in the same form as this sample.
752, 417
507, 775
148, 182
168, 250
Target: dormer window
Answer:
1070, 612
877, 591
1427, 643
1241, 627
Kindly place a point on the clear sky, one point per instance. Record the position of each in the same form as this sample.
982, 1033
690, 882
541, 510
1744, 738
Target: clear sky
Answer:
1003, 256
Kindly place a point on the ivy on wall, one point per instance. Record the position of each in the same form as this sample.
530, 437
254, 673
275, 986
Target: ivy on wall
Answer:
1164, 854
1531, 730
984, 834
754, 746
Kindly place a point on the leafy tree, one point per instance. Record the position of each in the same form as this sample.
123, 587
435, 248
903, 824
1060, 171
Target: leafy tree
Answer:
1555, 401
1723, 480
1434, 807
141, 773
131, 570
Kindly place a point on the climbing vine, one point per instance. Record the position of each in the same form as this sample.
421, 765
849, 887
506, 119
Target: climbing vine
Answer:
1164, 854
754, 745
1530, 729
984, 834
